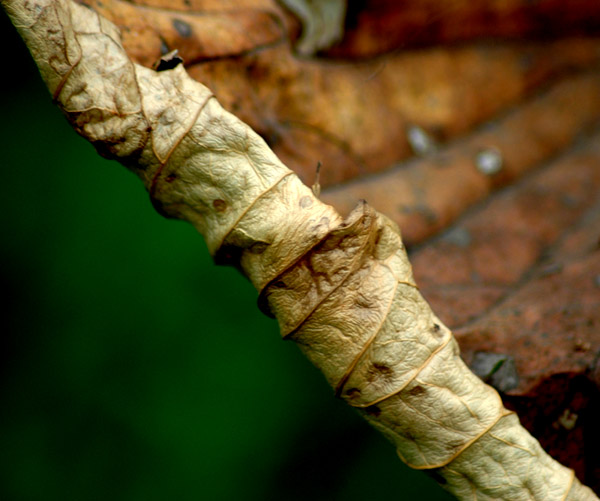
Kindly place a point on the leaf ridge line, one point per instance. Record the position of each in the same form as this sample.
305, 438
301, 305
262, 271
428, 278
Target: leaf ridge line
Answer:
411, 379
66, 76
162, 162
249, 207
465, 446
342, 382
570, 484
355, 267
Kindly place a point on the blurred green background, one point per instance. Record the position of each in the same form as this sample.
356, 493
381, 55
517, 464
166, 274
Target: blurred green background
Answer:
132, 367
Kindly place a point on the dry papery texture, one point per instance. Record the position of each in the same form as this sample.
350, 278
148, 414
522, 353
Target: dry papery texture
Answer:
341, 288
356, 106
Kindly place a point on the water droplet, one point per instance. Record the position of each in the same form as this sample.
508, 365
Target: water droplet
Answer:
420, 141
489, 161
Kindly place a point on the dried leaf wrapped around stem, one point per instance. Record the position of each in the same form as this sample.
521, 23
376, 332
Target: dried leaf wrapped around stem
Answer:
342, 289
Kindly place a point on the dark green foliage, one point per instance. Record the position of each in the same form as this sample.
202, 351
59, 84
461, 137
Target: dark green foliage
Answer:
132, 367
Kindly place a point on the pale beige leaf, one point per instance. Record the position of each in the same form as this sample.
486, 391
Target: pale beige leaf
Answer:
343, 289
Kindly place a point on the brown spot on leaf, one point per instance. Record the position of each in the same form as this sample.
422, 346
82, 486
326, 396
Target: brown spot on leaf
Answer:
352, 392
219, 205
384, 369
417, 390
378, 371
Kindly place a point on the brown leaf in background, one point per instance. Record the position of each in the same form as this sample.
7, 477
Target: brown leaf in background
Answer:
352, 115
425, 135
520, 276
378, 26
